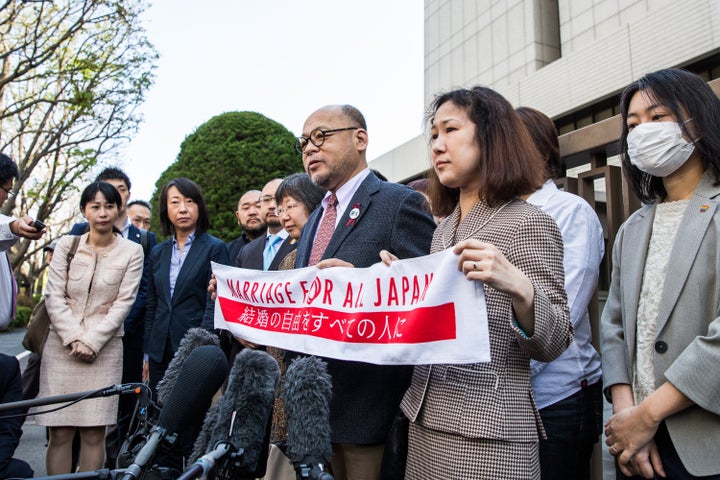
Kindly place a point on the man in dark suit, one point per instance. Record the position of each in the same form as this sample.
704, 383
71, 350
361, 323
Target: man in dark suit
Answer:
134, 322
267, 251
11, 428
248, 217
360, 216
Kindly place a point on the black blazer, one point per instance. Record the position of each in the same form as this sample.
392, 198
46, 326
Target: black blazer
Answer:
251, 255
11, 428
171, 318
235, 246
391, 217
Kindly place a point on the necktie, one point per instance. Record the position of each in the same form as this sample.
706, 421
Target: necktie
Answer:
325, 231
270, 250
13, 286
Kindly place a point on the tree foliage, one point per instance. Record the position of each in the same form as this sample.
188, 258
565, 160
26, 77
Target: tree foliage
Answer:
72, 74
228, 155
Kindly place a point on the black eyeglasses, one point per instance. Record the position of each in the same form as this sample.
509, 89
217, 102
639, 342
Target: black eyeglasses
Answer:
317, 137
10, 194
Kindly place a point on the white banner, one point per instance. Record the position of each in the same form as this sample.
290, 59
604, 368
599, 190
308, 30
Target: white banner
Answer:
417, 311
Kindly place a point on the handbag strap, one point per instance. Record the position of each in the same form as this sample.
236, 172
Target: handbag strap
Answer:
71, 252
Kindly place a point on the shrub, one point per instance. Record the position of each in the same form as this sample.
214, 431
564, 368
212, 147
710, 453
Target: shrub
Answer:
226, 156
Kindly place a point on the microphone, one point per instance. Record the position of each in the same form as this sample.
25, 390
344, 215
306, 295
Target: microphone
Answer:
307, 394
193, 338
237, 427
202, 374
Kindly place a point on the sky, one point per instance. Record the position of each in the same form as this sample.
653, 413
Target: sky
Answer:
281, 58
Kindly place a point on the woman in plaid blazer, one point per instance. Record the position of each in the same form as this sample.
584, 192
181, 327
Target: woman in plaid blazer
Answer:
480, 420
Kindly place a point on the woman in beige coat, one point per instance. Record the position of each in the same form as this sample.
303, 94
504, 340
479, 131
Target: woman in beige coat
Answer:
87, 304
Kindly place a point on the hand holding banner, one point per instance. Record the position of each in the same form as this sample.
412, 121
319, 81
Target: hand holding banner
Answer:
416, 311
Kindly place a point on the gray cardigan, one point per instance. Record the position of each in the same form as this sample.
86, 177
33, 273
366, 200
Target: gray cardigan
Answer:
687, 345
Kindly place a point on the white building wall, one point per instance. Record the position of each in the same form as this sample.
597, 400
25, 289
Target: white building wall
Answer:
511, 46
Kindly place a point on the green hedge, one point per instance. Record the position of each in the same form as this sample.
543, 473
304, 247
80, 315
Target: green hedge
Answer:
21, 317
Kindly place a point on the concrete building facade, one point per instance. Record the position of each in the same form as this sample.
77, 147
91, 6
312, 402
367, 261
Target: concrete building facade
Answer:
566, 58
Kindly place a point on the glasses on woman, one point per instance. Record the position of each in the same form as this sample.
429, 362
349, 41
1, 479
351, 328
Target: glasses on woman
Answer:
283, 210
317, 137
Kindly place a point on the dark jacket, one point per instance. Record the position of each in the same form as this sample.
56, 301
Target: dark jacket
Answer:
167, 317
11, 428
251, 255
392, 217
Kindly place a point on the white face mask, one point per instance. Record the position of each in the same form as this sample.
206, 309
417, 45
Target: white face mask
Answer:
658, 148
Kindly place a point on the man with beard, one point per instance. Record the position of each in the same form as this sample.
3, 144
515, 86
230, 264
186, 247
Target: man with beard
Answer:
248, 216
267, 251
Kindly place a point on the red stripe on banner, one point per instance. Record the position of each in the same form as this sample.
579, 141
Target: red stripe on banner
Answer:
420, 325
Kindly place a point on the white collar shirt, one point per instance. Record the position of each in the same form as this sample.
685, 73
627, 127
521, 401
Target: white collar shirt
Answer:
584, 247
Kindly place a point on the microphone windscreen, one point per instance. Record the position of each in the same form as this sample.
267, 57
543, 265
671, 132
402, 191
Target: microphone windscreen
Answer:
201, 376
194, 338
250, 393
307, 395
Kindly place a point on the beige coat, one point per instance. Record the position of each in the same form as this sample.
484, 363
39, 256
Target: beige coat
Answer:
101, 289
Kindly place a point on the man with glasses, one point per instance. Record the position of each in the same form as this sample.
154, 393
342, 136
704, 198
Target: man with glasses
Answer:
359, 216
11, 229
267, 251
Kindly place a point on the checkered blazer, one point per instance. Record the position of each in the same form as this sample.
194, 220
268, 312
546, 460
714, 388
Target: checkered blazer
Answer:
494, 400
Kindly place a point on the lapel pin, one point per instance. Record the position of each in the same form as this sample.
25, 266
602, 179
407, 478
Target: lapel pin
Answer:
354, 213
704, 208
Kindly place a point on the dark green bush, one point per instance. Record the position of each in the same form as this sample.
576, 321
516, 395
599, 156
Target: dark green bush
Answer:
22, 316
226, 156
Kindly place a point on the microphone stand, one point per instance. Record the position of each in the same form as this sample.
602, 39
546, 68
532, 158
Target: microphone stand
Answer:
312, 468
207, 461
127, 388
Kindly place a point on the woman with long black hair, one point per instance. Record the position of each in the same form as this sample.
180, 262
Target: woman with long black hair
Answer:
660, 326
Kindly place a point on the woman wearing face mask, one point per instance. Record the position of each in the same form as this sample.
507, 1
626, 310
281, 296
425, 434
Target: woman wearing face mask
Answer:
660, 325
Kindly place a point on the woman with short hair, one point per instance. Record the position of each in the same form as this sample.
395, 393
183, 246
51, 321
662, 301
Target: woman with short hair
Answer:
88, 296
480, 420
179, 273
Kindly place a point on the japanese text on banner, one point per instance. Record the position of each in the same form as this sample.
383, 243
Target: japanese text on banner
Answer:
417, 311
